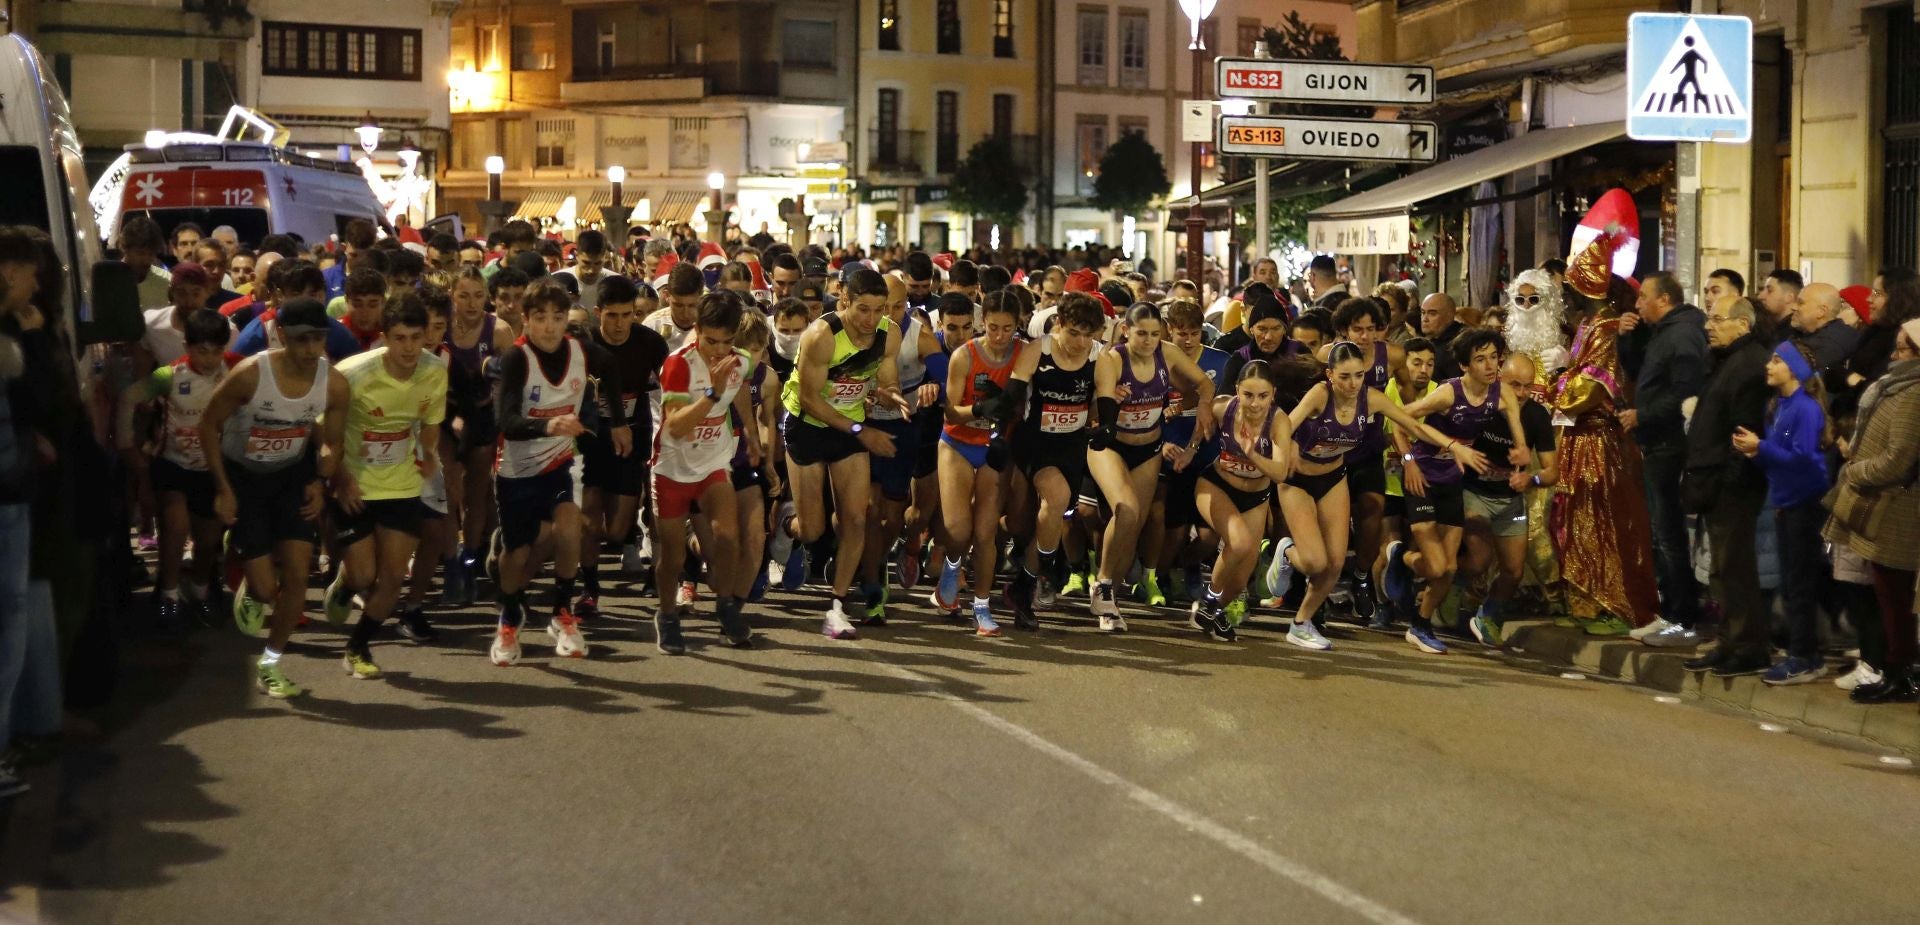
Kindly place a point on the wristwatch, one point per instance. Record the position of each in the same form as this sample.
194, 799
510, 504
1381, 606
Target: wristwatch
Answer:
857, 428
712, 395
1407, 457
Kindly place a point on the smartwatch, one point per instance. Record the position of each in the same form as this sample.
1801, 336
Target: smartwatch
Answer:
857, 428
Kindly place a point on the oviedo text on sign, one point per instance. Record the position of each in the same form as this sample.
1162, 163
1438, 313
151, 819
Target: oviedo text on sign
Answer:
1327, 139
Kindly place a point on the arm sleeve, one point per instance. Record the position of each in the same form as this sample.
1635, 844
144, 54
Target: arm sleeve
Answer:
602, 366
937, 371
252, 339
509, 409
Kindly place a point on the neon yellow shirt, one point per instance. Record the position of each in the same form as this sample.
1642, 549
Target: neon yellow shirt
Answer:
382, 418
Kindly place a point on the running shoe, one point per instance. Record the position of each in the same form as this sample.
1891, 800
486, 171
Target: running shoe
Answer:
1100, 600
1075, 586
339, 600
1257, 582
1364, 606
759, 590
1236, 610
1862, 673
1208, 618
797, 562
1044, 594
413, 625
149, 542
1399, 578
359, 665
1306, 636
1280, 571
630, 561
1659, 625
1424, 640
1019, 597
1150, 590
666, 634
733, 624
273, 682
906, 566
836, 625
1485, 629
1610, 625
1794, 670
946, 594
876, 605
506, 646
248, 614
688, 594
782, 546
983, 624
565, 630
452, 590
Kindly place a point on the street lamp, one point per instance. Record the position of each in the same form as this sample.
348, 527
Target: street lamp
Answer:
717, 215
615, 216
493, 208
1197, 12
409, 154
369, 132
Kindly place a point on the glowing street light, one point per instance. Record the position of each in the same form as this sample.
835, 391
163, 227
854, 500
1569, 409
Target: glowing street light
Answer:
369, 132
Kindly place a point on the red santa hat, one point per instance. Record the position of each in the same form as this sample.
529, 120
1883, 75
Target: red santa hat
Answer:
943, 260
1019, 277
664, 268
1616, 218
753, 267
711, 255
1082, 281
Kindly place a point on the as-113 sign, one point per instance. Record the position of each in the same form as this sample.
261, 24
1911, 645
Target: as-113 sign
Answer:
1304, 81
1328, 139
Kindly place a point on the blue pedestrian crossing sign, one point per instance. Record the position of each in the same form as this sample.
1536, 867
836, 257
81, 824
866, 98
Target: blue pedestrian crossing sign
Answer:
1689, 78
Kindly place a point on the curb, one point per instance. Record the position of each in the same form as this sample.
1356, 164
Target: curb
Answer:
1819, 704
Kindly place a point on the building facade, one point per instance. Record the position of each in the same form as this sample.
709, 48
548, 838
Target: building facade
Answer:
669, 92
937, 76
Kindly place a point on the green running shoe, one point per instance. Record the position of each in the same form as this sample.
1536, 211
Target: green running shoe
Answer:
1236, 610
339, 604
274, 683
1150, 589
248, 614
1076, 585
1608, 625
1257, 582
1567, 621
360, 667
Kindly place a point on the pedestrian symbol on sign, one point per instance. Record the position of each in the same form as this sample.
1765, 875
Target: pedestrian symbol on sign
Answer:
1690, 78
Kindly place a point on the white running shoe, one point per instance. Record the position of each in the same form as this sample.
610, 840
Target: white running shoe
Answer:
1862, 673
1280, 570
506, 647
1100, 603
1659, 624
687, 594
567, 641
782, 545
837, 626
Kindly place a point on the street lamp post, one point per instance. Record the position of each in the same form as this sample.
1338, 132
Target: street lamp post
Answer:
615, 216
1197, 11
717, 215
495, 210
369, 132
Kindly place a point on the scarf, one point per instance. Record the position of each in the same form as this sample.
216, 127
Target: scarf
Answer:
1900, 377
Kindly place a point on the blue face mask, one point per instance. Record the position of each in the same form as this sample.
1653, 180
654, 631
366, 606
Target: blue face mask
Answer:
712, 276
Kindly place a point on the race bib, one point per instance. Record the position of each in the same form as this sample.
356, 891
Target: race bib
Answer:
386, 448
187, 441
1143, 417
710, 431
270, 444
847, 393
1062, 419
1239, 466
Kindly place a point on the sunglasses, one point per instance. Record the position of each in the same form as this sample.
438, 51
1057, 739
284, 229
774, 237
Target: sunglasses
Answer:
1528, 299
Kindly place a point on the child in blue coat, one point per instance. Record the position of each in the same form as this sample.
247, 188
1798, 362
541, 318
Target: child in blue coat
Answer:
1796, 468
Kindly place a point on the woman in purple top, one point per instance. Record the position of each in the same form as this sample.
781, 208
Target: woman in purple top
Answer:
1131, 385
1339, 416
1436, 511
1254, 454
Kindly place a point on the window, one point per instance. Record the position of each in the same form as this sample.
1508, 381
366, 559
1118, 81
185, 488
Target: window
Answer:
472, 143
1003, 115
947, 34
1134, 43
1093, 47
1092, 146
808, 43
607, 48
1250, 32
946, 139
533, 47
886, 134
1003, 28
889, 25
307, 50
689, 147
553, 142
489, 48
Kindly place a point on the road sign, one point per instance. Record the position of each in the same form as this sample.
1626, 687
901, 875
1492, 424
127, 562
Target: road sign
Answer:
1689, 78
823, 173
1328, 139
1323, 81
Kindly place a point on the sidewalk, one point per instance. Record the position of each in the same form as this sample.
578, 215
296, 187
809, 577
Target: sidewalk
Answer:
1819, 704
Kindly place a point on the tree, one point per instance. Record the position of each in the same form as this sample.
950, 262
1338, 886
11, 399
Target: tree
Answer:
1132, 175
989, 183
1293, 38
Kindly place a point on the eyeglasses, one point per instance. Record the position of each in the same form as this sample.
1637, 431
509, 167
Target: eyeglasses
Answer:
1528, 299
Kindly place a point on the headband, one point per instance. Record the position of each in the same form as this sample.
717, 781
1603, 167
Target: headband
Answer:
1790, 355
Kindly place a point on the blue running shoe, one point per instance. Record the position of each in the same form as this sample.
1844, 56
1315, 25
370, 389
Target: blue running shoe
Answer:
1424, 640
1794, 670
983, 624
759, 591
946, 595
1280, 571
797, 566
1399, 578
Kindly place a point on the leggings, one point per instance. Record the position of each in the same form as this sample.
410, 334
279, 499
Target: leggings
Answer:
1894, 588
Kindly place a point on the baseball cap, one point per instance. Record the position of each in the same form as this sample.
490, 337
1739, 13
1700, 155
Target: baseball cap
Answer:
810, 290
302, 316
530, 263
813, 268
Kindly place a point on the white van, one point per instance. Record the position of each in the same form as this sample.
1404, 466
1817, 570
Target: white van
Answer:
257, 188
46, 179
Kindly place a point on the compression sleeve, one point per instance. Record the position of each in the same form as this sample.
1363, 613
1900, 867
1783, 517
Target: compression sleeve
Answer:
937, 371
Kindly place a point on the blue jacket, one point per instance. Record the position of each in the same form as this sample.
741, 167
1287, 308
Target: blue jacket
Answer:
1790, 453
340, 342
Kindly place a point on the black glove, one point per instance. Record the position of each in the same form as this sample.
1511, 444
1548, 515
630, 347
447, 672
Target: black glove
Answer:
1102, 438
998, 451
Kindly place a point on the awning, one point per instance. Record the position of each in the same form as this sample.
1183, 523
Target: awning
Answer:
672, 207
1377, 221
539, 204
1290, 179
588, 204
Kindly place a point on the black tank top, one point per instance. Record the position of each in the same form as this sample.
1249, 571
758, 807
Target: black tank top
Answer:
1060, 397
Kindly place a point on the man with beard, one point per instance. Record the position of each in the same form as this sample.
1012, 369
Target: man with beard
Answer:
1534, 328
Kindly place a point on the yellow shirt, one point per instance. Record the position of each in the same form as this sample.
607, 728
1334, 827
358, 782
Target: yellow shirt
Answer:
382, 418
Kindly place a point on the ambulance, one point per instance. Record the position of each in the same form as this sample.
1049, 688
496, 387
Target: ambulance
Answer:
244, 177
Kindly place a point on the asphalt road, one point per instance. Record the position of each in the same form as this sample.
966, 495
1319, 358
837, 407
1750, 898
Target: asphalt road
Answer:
923, 775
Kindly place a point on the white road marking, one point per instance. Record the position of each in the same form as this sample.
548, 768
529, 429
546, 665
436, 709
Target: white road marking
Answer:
1328, 888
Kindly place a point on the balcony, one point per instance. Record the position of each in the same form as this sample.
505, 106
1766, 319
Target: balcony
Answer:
665, 82
897, 151
1461, 37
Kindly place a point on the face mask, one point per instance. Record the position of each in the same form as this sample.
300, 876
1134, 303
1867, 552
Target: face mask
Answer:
785, 344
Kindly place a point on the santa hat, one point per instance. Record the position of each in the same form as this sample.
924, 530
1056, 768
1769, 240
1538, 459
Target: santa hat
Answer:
711, 255
759, 275
1082, 281
664, 268
1019, 277
943, 260
1860, 297
1106, 304
1615, 218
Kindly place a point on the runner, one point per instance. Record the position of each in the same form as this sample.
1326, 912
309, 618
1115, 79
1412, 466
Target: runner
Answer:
674, 321
540, 400
436, 528
1336, 419
178, 465
974, 456
921, 361
844, 356
269, 481
366, 306
506, 295
1496, 500
399, 395
1363, 322
1175, 520
955, 319
613, 483
475, 341
1411, 381
1051, 447
1253, 454
703, 402
1132, 386
755, 485
1435, 505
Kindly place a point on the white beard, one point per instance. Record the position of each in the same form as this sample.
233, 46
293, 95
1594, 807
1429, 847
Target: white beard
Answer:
1536, 333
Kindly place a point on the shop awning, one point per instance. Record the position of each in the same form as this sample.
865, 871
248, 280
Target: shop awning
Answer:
1377, 221
587, 204
539, 204
671, 207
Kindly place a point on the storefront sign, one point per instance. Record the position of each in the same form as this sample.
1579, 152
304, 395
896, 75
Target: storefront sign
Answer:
883, 194
931, 194
1382, 234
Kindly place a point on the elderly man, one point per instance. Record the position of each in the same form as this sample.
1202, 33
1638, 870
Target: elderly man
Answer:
1438, 324
1817, 324
1778, 295
1668, 360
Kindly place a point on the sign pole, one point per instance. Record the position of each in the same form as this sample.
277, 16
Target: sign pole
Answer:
1196, 217
1261, 229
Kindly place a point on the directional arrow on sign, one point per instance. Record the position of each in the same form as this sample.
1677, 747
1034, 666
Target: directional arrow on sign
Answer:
1417, 82
1418, 137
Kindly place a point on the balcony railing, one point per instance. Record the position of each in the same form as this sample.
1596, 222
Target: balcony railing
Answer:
896, 151
723, 78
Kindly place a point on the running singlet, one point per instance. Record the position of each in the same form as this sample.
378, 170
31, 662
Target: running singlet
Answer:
661, 321
271, 431
544, 399
978, 432
382, 418
1178, 428
1323, 438
685, 379
187, 394
849, 374
1462, 421
467, 366
1060, 398
1146, 400
913, 371
759, 381
1378, 376
1236, 460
